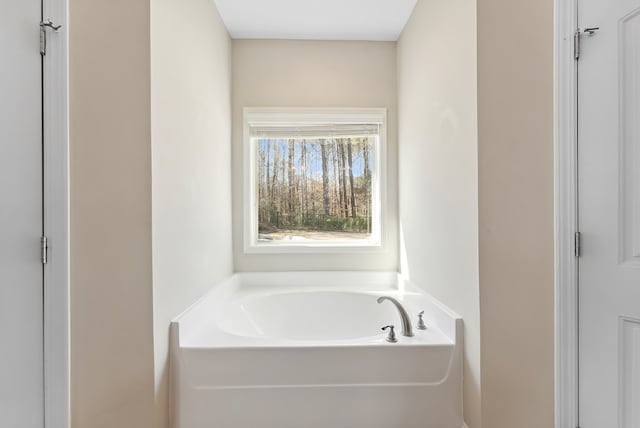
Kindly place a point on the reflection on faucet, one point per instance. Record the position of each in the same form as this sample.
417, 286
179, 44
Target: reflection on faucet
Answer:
407, 330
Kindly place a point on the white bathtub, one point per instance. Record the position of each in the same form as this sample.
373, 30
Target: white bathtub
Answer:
305, 350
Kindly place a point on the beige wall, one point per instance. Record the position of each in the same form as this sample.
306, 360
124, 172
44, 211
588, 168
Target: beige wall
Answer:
515, 113
111, 295
279, 73
191, 164
117, 318
437, 134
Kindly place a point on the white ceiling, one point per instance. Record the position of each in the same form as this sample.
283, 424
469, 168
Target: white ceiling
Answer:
316, 19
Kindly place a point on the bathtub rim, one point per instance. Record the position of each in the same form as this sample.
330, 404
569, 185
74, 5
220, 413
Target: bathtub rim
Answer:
439, 317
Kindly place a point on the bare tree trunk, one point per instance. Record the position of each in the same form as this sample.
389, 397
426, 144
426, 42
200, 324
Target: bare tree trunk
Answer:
338, 180
365, 154
353, 197
325, 179
291, 184
343, 176
367, 181
283, 193
261, 168
303, 184
266, 181
273, 205
313, 181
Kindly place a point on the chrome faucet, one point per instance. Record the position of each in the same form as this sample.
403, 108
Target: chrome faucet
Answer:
407, 330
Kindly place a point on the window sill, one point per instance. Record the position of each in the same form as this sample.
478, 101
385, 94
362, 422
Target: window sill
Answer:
313, 248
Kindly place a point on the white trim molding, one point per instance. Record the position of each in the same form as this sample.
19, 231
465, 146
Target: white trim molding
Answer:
56, 218
566, 217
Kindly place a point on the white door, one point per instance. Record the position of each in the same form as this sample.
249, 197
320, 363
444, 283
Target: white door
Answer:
21, 332
609, 214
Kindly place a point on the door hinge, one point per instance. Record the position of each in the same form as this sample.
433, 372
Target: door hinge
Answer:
43, 34
577, 244
44, 250
577, 37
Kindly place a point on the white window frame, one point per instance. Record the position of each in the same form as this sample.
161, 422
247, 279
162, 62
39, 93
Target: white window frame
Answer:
277, 115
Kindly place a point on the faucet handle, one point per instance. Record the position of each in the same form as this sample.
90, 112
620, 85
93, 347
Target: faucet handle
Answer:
421, 324
391, 337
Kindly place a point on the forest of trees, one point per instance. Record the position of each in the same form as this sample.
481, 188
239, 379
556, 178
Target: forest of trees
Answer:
314, 184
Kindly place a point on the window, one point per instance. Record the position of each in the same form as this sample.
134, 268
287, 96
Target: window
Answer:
313, 179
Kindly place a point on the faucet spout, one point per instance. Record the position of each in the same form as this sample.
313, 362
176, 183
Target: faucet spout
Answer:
407, 330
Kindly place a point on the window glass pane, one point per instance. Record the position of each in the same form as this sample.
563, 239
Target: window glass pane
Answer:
315, 189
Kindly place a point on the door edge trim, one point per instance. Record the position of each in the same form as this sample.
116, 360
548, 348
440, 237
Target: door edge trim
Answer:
565, 215
56, 219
